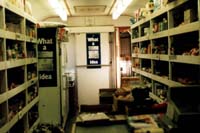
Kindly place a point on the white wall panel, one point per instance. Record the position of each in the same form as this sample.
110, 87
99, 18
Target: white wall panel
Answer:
68, 51
91, 80
105, 49
81, 49
91, 29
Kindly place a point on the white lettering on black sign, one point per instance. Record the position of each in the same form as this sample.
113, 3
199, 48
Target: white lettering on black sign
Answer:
93, 62
92, 39
45, 76
45, 41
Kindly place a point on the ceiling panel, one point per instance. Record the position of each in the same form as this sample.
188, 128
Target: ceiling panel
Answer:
42, 10
90, 10
93, 7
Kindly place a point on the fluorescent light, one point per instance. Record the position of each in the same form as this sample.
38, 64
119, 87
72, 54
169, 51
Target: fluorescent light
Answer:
120, 7
59, 7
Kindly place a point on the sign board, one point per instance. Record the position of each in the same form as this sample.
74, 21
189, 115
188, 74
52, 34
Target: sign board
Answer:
47, 67
93, 50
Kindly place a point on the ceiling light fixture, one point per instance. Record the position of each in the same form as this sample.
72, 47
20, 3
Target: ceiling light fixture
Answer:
59, 7
119, 7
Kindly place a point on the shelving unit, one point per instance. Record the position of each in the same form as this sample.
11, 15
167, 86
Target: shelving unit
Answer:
166, 47
18, 70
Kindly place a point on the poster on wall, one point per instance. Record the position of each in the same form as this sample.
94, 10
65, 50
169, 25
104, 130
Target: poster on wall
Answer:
93, 50
47, 67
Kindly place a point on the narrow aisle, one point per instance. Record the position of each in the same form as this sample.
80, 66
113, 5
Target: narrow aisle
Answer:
72, 127
116, 128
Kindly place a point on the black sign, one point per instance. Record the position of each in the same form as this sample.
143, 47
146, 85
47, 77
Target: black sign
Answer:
93, 50
47, 67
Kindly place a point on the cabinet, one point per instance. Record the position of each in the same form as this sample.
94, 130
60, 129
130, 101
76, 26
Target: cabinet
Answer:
165, 47
18, 70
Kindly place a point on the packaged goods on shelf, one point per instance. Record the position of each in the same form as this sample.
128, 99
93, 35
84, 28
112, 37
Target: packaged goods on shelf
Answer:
28, 7
12, 1
15, 44
189, 16
18, 3
172, 56
150, 6
157, 4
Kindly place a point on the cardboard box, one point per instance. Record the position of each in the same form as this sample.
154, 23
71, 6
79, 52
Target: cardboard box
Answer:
106, 95
119, 104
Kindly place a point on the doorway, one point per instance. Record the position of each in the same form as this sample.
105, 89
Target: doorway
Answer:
123, 56
125, 52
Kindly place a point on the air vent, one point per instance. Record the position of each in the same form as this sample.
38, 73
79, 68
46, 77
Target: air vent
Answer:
93, 9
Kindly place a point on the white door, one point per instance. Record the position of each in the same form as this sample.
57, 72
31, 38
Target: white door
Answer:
89, 81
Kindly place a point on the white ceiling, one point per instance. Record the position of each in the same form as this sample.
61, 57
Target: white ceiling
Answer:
42, 10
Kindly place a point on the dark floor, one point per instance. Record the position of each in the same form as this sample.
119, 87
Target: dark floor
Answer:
115, 128
111, 128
